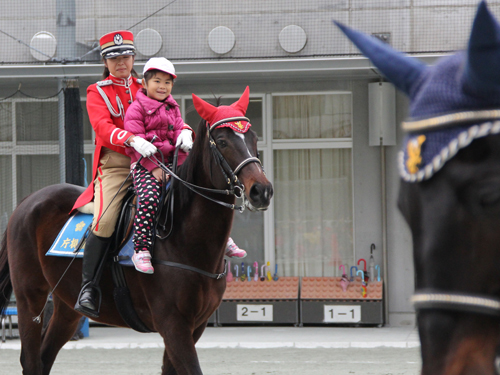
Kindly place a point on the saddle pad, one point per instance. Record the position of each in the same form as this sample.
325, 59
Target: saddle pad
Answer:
72, 232
70, 235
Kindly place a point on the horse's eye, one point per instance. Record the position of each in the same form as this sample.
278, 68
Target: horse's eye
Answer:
489, 198
485, 194
221, 143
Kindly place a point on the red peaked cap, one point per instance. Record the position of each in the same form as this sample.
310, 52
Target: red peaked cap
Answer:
214, 114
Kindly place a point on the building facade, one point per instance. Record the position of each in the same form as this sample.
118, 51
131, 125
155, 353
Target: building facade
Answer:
335, 194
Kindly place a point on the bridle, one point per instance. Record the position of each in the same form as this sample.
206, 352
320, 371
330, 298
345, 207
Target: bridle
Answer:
231, 176
236, 188
434, 299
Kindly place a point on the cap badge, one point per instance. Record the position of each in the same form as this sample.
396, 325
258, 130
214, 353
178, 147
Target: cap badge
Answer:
239, 124
118, 39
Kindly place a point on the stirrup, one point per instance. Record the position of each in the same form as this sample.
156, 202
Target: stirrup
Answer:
84, 310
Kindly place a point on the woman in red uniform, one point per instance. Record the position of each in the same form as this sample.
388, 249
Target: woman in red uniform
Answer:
107, 102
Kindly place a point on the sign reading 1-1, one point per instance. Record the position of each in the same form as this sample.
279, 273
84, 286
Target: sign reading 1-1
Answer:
342, 314
254, 313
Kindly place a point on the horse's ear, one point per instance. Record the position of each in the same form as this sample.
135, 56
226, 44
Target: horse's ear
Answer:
206, 110
482, 73
242, 103
402, 70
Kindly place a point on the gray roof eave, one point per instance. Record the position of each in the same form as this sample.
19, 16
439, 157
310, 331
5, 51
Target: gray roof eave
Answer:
221, 69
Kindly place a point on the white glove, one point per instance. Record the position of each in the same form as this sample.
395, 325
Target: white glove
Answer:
185, 140
143, 147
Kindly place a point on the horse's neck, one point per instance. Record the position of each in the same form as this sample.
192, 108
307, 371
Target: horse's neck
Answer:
202, 226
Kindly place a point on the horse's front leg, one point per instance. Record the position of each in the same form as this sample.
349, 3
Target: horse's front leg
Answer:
180, 357
167, 368
199, 331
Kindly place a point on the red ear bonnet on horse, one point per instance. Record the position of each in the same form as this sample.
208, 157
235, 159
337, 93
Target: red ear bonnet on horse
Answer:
232, 116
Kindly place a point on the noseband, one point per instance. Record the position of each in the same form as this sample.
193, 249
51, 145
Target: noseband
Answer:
461, 302
431, 299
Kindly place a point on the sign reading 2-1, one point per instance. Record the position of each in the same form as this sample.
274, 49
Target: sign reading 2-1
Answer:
254, 313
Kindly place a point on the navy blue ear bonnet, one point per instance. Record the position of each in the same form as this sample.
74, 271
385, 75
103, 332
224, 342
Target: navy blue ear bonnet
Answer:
443, 89
451, 103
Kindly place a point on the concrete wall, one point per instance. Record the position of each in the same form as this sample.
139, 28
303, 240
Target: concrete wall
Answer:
186, 24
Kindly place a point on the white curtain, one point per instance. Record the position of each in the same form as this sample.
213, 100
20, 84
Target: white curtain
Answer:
313, 189
312, 116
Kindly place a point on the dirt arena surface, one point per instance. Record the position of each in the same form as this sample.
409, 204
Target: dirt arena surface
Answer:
290, 361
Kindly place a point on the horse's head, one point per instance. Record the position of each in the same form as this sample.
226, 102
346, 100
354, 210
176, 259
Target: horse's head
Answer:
234, 149
450, 194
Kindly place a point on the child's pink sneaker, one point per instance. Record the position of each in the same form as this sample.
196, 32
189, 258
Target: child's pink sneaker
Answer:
142, 261
233, 251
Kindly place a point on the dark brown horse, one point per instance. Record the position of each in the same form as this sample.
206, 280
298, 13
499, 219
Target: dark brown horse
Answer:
174, 302
450, 195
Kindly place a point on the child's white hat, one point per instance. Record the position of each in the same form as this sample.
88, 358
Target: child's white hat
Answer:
160, 63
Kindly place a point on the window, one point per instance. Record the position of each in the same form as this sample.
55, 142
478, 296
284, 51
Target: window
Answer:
29, 149
312, 162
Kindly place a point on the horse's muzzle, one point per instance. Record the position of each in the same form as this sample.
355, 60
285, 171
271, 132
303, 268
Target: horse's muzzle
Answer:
260, 196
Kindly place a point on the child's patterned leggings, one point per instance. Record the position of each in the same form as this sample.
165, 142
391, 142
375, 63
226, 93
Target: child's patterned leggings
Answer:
148, 190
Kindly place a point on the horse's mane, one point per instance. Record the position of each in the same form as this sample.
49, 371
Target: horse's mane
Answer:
196, 156
188, 169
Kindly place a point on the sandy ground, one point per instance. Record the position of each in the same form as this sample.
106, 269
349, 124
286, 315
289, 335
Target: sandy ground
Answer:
290, 361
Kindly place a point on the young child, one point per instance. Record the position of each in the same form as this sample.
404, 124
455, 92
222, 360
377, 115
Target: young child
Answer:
156, 113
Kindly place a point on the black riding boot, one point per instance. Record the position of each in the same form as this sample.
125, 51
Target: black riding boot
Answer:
89, 299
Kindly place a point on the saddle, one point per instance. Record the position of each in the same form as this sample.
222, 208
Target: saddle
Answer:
71, 237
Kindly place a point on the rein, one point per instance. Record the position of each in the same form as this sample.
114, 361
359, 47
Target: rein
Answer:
236, 188
237, 191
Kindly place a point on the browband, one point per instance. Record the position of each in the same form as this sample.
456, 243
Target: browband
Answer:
229, 119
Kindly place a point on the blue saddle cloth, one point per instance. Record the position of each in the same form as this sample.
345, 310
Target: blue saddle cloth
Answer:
73, 231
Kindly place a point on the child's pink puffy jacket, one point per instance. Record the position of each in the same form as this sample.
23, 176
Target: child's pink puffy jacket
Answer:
146, 118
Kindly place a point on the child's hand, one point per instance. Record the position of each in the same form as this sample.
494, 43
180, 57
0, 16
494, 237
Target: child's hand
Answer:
158, 174
185, 140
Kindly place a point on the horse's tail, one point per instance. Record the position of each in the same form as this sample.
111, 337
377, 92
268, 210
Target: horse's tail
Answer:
5, 282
